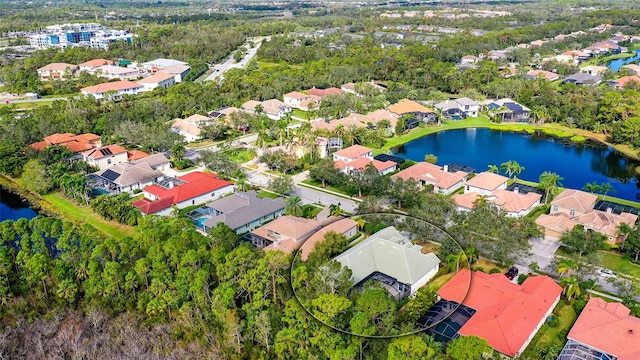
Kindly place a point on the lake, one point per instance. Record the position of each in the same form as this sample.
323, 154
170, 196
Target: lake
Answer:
577, 163
615, 65
13, 207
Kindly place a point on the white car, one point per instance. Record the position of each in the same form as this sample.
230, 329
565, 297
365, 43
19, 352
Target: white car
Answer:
606, 273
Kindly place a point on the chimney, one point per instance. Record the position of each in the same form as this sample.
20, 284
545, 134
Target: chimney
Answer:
445, 168
170, 184
516, 190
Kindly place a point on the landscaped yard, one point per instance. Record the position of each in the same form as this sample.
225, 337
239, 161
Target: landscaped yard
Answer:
549, 336
267, 194
329, 187
619, 264
241, 155
438, 282
299, 114
310, 211
73, 212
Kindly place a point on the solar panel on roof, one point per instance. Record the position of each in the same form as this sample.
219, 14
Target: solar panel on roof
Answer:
106, 151
110, 175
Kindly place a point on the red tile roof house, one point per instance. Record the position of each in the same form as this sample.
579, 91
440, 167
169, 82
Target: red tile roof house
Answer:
117, 88
195, 188
603, 331
406, 106
56, 71
573, 207
507, 315
542, 74
75, 143
357, 158
443, 181
158, 80
92, 65
347, 227
286, 233
295, 98
624, 81
105, 156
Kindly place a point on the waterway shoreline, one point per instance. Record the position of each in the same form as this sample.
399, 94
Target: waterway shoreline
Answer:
482, 122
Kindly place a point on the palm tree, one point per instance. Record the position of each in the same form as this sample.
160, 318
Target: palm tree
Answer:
472, 254
293, 206
566, 267
606, 188
589, 285
454, 260
512, 169
259, 109
623, 230
493, 169
178, 150
549, 182
571, 287
591, 187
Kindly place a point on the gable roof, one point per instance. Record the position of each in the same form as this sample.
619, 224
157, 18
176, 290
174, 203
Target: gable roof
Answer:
487, 181
111, 86
432, 174
507, 314
196, 184
353, 151
242, 208
133, 155
129, 174
406, 106
104, 151
575, 199
388, 252
608, 327
156, 78
341, 226
96, 63
57, 67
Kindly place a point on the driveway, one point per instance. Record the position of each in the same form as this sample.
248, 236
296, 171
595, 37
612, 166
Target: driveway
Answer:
542, 251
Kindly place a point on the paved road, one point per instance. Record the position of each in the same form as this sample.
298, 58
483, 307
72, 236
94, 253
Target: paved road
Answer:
220, 69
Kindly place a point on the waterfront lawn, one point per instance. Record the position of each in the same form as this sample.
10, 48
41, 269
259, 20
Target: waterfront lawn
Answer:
75, 213
552, 336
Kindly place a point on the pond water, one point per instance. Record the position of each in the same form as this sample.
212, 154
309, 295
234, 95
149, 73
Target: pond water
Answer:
13, 207
578, 164
615, 65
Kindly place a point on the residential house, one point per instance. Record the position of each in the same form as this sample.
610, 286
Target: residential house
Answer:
513, 203
112, 72
190, 127
344, 226
625, 81
603, 331
155, 162
295, 99
497, 55
542, 74
178, 71
274, 109
190, 189
583, 79
56, 71
633, 67
242, 211
410, 107
105, 156
113, 90
458, 109
485, 182
594, 69
286, 233
507, 110
537, 43
357, 158
75, 143
443, 181
351, 87
493, 308
160, 79
470, 59
159, 64
124, 177
91, 65
575, 207
390, 259
369, 120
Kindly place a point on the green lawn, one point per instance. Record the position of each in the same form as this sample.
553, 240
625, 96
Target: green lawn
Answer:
267, 194
28, 105
607, 197
240, 155
439, 281
549, 336
310, 211
328, 187
619, 264
299, 114
75, 213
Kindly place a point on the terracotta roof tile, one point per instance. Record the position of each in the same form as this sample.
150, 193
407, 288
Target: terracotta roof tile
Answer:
353, 151
405, 106
111, 86
339, 227
58, 67
97, 63
487, 181
431, 174
575, 199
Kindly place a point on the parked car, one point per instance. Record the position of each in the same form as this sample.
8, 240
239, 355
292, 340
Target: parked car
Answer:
606, 273
512, 273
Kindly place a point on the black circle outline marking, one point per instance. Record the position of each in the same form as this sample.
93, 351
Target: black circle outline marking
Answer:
295, 294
